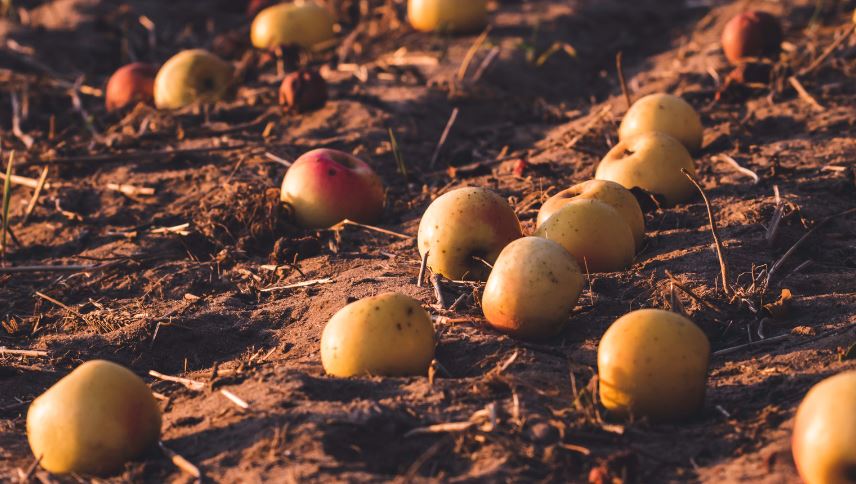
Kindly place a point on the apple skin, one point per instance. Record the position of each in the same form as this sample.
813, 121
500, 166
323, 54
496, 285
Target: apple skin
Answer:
594, 233
453, 16
532, 289
652, 161
751, 34
326, 186
825, 432
192, 76
653, 363
129, 85
666, 114
302, 91
385, 335
94, 420
610, 193
463, 223
305, 24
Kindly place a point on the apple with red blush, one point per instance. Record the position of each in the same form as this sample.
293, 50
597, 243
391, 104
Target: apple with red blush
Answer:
129, 85
325, 186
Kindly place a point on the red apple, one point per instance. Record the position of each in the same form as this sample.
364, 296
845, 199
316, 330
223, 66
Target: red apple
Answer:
751, 34
130, 84
326, 186
304, 90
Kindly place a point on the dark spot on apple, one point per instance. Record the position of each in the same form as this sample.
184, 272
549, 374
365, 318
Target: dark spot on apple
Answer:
409, 311
207, 84
331, 172
398, 325
628, 152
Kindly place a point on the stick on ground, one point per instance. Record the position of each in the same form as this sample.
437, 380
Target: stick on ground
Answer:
722, 265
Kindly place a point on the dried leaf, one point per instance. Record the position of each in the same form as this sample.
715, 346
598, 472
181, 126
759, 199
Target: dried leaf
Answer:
781, 308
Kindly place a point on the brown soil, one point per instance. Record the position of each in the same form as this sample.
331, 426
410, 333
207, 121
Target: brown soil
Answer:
190, 303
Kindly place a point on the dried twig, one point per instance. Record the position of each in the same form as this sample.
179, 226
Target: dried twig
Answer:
313, 282
448, 129
826, 53
40, 184
438, 291
734, 164
60, 304
773, 228
621, 79
485, 64
235, 399
798, 243
179, 461
345, 222
468, 58
194, 385
131, 190
722, 265
732, 349
30, 353
422, 267
798, 87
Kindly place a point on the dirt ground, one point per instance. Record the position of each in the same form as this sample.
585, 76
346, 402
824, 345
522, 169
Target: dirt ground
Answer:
188, 300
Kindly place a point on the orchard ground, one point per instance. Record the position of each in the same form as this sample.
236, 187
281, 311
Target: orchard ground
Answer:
188, 301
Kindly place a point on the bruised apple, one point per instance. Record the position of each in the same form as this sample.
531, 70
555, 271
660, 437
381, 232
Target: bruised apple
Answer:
825, 432
192, 76
653, 363
664, 113
302, 91
610, 193
532, 289
385, 335
447, 15
302, 23
465, 225
652, 161
93, 421
324, 187
751, 34
129, 85
594, 233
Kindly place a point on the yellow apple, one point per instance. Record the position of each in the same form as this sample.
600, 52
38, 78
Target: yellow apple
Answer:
385, 335
532, 289
652, 161
447, 15
192, 76
610, 193
465, 224
664, 113
302, 23
653, 363
93, 421
824, 439
593, 232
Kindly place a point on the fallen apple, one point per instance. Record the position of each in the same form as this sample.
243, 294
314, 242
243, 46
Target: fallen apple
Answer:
447, 15
464, 228
652, 161
610, 193
593, 232
825, 432
302, 23
192, 76
324, 187
129, 85
753, 34
302, 91
385, 335
532, 289
666, 114
93, 421
653, 363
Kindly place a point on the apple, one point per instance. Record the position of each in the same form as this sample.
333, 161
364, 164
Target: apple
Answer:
324, 187
666, 114
532, 289
653, 363
129, 85
753, 34
652, 161
610, 193
463, 225
192, 76
593, 232
825, 431
93, 421
385, 335
302, 23
447, 15
302, 91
